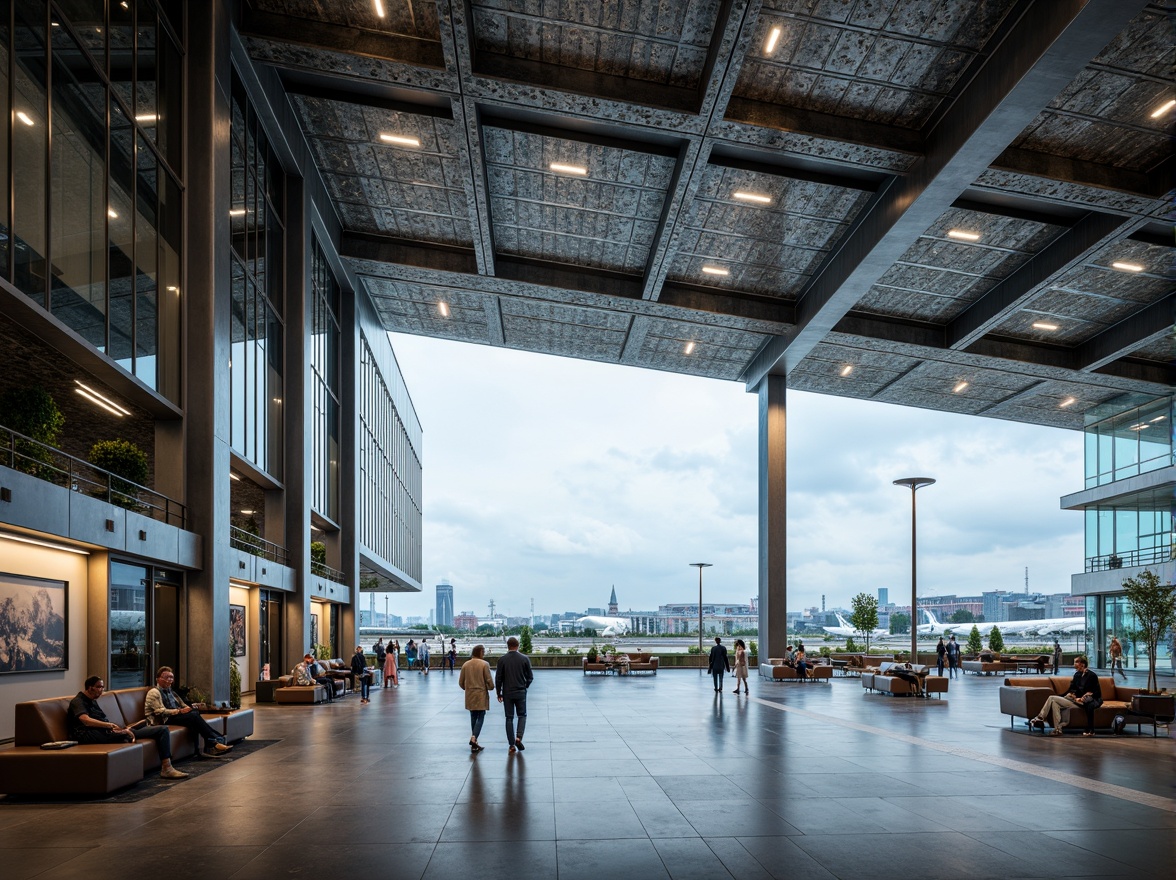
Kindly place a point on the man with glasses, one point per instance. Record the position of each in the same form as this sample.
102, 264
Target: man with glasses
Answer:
88, 724
163, 706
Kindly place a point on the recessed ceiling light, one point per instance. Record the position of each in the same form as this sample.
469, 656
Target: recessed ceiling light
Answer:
1142, 426
752, 197
443, 308
1163, 108
400, 140
24, 117
1126, 267
690, 347
379, 8
960, 386
248, 512
963, 235
715, 270
236, 212
847, 369
1044, 325
1159, 418
51, 546
146, 117
111, 213
561, 168
171, 288
1069, 401
773, 39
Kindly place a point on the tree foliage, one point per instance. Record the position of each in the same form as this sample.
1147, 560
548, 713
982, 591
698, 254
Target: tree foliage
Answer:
1154, 606
123, 459
996, 640
963, 615
865, 615
525, 645
900, 622
975, 644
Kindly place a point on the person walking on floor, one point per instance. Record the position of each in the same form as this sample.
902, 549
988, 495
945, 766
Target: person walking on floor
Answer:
476, 681
512, 678
391, 661
423, 656
1057, 656
1116, 651
410, 653
362, 675
381, 653
452, 655
741, 666
940, 655
718, 663
953, 656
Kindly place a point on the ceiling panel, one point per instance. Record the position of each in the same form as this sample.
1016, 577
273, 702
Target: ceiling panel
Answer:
410, 18
415, 308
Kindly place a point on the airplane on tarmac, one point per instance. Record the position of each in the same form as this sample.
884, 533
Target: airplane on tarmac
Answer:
605, 626
848, 630
1053, 626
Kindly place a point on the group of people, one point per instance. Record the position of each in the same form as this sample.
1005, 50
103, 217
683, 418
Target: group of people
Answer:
950, 652
719, 663
512, 678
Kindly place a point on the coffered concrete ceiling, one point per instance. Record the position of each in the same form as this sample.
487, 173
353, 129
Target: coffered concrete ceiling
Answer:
955, 204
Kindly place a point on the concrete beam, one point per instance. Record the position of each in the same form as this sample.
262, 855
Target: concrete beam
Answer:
1147, 325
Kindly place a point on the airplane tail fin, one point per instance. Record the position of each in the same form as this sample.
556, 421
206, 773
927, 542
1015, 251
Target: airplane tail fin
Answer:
930, 617
843, 622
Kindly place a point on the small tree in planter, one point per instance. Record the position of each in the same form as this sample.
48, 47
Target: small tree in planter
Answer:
996, 640
1154, 607
123, 459
34, 413
318, 556
525, 644
975, 645
865, 615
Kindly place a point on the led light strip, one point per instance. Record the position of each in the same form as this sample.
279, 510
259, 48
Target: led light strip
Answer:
100, 399
51, 546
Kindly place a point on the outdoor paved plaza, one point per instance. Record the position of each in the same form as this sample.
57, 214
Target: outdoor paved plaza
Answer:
637, 778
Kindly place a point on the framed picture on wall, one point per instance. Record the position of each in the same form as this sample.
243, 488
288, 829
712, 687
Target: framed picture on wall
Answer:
237, 629
313, 632
34, 636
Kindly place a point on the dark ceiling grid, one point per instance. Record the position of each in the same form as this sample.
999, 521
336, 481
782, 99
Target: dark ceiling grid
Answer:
590, 281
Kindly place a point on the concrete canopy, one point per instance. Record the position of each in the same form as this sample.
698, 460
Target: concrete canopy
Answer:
882, 200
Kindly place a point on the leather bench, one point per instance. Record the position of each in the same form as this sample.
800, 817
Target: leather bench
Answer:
780, 672
886, 682
300, 694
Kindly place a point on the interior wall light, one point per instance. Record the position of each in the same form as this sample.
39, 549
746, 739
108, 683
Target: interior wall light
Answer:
101, 399
171, 288
773, 40
23, 540
752, 197
379, 5
1159, 418
400, 140
146, 117
1163, 108
1044, 325
25, 118
1126, 267
234, 477
690, 347
1069, 401
248, 512
715, 270
963, 235
443, 308
846, 370
236, 212
960, 386
561, 168
111, 213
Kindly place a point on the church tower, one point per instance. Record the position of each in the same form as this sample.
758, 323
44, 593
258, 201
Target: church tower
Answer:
612, 603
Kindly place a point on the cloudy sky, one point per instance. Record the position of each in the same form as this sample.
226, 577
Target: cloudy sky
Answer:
554, 479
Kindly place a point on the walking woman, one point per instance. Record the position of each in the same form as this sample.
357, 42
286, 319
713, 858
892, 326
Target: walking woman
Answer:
1116, 651
940, 654
740, 666
410, 654
391, 658
476, 681
362, 674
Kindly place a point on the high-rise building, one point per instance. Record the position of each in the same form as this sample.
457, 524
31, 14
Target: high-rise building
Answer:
444, 604
883, 595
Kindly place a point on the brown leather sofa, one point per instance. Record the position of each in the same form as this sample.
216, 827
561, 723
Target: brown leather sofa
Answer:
988, 667
780, 672
94, 769
1024, 697
886, 682
638, 663
335, 669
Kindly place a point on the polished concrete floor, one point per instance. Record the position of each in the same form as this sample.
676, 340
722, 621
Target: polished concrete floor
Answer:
637, 778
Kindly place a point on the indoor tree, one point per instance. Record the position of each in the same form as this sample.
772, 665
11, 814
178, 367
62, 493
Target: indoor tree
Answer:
996, 640
1154, 606
865, 615
974, 642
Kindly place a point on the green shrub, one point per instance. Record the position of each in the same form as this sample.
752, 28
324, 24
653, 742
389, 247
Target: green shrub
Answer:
123, 459
995, 640
570, 650
592, 654
554, 649
851, 646
753, 648
318, 554
234, 684
34, 413
525, 644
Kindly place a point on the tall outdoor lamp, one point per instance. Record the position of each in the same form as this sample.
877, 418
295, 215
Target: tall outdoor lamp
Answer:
915, 484
700, 566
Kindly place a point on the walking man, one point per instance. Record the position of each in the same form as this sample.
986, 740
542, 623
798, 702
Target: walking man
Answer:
718, 663
1057, 656
512, 677
423, 654
953, 656
940, 655
1116, 651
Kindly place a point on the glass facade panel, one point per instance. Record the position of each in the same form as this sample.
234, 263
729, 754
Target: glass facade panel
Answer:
324, 365
29, 151
146, 262
255, 227
1130, 441
129, 650
5, 59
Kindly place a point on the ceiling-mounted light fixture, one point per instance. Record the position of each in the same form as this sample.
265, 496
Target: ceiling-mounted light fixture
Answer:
22, 539
715, 270
234, 477
400, 140
1163, 108
25, 118
773, 40
237, 212
248, 512
690, 347
1044, 325
960, 386
846, 370
561, 168
443, 308
752, 197
111, 213
146, 117
963, 235
379, 5
1069, 401
1126, 267
100, 399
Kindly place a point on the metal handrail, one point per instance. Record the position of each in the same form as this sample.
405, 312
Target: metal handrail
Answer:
1129, 559
244, 539
48, 463
324, 570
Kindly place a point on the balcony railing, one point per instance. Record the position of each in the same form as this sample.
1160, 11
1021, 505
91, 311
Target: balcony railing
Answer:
1129, 559
258, 546
32, 457
324, 570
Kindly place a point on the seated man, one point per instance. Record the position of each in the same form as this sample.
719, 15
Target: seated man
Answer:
163, 706
305, 675
1084, 692
88, 724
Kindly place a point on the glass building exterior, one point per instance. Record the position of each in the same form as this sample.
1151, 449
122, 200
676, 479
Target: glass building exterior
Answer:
170, 277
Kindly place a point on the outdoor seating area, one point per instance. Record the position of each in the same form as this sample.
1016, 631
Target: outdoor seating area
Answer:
95, 769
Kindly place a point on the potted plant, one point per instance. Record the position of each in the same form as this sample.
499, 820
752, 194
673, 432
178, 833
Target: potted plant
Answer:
592, 655
122, 459
1154, 606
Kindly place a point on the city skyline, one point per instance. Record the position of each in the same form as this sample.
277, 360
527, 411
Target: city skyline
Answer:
554, 480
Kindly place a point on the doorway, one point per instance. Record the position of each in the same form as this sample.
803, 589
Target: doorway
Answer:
144, 624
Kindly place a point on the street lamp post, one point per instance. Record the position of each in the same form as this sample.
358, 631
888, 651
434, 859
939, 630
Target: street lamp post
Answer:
700, 566
915, 484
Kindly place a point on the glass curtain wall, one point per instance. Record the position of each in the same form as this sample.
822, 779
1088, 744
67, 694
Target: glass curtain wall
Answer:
324, 365
1132, 440
257, 239
90, 194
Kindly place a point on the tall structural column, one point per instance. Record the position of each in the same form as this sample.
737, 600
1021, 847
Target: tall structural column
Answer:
204, 646
773, 509
349, 512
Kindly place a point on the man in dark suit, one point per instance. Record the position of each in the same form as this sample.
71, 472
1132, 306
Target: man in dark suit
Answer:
718, 664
